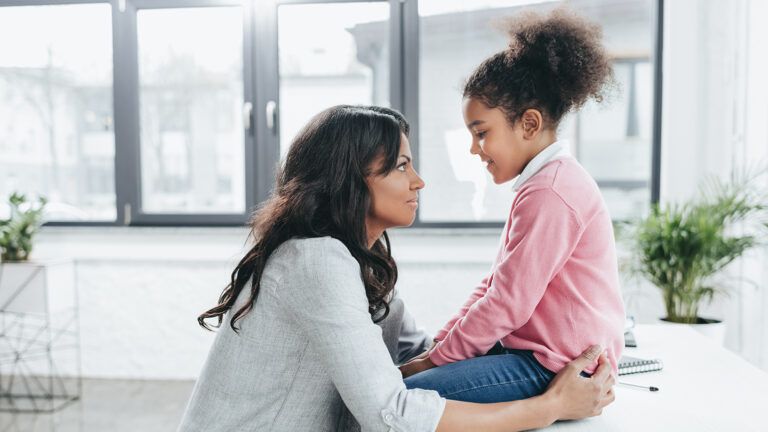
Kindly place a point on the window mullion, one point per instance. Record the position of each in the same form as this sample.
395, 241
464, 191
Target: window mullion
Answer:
126, 112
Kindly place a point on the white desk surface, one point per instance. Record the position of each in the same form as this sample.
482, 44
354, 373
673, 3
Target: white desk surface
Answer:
703, 387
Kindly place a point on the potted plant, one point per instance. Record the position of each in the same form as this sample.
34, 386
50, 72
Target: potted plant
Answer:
682, 248
17, 232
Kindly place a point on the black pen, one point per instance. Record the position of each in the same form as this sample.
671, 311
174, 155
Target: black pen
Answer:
651, 388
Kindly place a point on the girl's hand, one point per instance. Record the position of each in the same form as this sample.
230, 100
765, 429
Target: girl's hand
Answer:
425, 354
416, 365
575, 397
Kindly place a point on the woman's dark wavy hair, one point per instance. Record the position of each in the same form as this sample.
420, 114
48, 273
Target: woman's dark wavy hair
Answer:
321, 191
554, 63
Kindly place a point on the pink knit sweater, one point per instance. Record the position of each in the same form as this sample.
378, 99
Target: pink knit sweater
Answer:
554, 287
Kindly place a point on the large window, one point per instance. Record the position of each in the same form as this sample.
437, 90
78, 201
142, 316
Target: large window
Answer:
190, 99
177, 112
612, 140
328, 57
56, 118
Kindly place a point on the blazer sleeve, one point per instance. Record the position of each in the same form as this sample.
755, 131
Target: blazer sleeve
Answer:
413, 340
326, 298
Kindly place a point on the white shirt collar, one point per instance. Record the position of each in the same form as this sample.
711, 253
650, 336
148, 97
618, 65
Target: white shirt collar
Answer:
556, 150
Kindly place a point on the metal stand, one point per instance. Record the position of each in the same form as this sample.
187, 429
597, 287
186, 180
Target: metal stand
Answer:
39, 339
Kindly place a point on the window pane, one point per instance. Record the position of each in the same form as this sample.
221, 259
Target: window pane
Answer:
612, 140
56, 134
330, 54
191, 101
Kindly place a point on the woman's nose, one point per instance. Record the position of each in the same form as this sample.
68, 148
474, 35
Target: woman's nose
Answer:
417, 182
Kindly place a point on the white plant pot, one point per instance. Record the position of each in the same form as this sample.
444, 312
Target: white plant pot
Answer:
712, 328
38, 287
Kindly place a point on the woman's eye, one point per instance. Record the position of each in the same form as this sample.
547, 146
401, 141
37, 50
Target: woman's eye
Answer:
481, 135
401, 167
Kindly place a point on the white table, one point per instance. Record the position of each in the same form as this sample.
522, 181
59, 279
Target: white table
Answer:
703, 388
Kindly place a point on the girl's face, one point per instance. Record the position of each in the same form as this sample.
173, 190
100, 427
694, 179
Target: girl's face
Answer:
502, 147
395, 195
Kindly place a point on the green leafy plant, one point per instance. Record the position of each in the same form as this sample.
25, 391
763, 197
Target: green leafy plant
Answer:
17, 231
679, 248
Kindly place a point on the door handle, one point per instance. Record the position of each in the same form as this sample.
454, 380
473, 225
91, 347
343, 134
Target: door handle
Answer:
247, 115
271, 113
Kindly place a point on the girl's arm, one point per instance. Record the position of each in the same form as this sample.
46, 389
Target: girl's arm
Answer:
477, 293
543, 231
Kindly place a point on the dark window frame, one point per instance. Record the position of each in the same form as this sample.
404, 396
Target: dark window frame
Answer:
260, 75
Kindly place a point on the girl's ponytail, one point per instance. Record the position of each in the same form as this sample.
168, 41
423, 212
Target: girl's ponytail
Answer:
554, 63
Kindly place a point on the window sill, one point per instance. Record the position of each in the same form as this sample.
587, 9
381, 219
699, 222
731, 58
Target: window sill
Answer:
225, 245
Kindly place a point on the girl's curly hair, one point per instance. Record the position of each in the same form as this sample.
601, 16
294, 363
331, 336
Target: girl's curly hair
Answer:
554, 63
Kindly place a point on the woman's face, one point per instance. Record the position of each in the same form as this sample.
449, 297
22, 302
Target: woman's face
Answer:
394, 195
501, 147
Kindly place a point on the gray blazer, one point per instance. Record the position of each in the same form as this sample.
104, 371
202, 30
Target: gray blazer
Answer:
309, 357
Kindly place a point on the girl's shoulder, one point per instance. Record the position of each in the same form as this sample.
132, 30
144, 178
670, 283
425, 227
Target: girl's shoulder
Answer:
566, 176
567, 179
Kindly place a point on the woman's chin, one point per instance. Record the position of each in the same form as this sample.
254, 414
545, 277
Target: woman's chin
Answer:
404, 223
409, 221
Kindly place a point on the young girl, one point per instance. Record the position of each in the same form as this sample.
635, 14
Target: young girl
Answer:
554, 287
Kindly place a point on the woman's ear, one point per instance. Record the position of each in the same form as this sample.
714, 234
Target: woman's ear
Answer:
532, 123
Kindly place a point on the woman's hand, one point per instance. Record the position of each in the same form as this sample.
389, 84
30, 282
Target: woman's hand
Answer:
575, 397
418, 364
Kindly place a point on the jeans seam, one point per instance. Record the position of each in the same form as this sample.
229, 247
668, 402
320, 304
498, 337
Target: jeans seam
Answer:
493, 385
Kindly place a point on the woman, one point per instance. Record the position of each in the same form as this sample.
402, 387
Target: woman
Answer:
302, 340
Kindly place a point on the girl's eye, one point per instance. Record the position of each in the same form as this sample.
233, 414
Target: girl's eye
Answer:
401, 167
481, 135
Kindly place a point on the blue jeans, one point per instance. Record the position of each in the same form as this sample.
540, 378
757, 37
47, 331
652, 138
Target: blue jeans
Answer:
499, 376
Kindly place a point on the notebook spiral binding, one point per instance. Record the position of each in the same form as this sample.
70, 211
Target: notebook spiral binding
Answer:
631, 365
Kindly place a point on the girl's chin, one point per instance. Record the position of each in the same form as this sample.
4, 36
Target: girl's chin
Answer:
501, 180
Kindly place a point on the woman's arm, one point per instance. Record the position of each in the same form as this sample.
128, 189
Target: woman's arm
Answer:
325, 297
323, 294
570, 396
412, 340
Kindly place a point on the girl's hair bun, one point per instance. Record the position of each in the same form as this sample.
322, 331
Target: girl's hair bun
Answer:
554, 63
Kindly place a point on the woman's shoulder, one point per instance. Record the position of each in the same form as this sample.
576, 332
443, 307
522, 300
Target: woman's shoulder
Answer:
301, 258
312, 248
310, 272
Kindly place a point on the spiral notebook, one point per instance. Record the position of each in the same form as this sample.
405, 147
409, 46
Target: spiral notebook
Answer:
632, 365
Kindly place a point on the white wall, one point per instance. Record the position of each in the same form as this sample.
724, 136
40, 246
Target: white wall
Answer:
141, 289
715, 107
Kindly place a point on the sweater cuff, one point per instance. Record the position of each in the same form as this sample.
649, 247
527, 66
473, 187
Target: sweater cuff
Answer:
437, 357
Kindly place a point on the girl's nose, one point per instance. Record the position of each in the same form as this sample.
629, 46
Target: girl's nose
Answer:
474, 148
